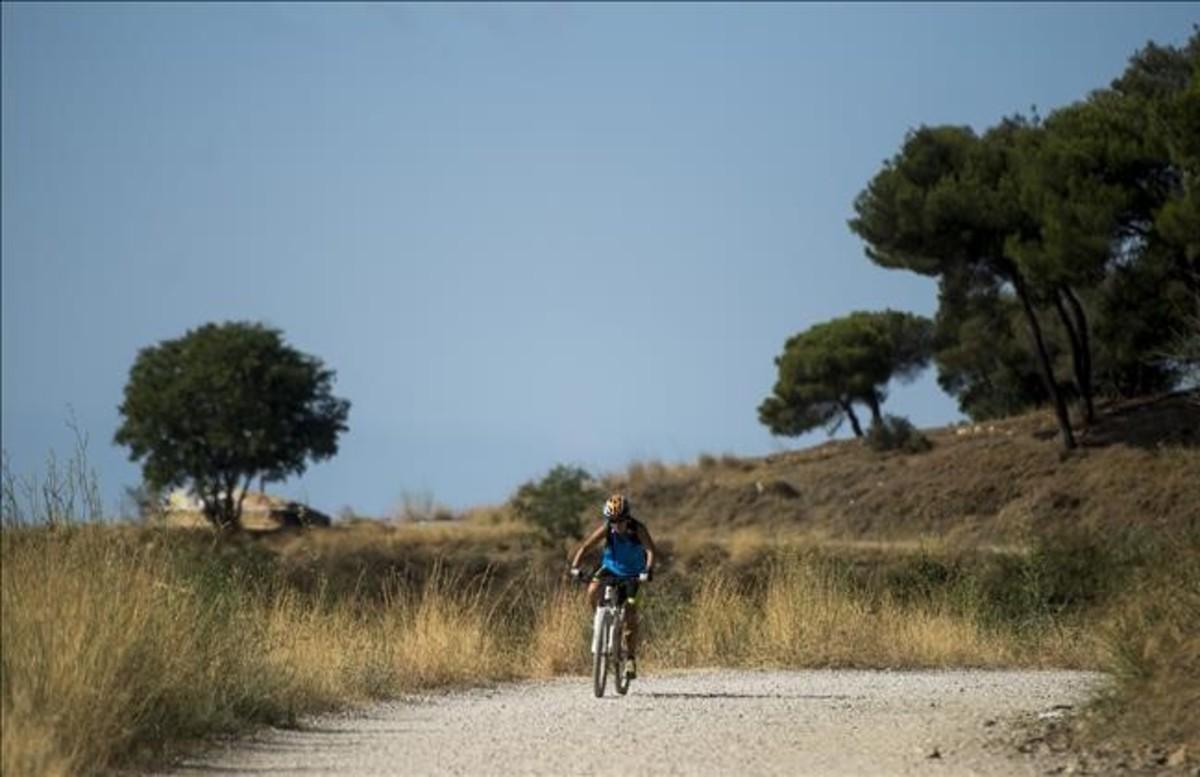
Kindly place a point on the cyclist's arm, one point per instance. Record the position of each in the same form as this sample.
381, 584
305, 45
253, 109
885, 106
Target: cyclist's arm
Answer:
592, 540
648, 543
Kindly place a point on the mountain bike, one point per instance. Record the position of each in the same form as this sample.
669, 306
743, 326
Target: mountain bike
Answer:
609, 650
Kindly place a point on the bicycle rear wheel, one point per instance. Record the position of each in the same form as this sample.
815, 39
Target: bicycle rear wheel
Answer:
600, 655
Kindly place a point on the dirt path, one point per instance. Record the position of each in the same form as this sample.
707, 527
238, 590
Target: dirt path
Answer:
715, 722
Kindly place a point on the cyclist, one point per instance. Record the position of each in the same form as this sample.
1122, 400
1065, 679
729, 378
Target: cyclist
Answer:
628, 553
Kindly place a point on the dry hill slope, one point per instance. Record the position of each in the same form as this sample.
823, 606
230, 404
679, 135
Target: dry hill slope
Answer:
1139, 465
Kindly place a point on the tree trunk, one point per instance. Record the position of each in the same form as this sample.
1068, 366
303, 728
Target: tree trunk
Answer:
848, 409
1076, 355
230, 518
242, 497
873, 403
1060, 406
214, 507
1085, 351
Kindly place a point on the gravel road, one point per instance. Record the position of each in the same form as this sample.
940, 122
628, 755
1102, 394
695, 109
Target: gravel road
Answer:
712, 722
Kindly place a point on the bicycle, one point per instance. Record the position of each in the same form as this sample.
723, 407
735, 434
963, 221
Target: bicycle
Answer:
608, 631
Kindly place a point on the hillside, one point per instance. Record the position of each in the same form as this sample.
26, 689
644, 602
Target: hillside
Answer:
1000, 485
1139, 465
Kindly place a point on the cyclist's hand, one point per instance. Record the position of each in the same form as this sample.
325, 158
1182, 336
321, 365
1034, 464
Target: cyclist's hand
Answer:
645, 576
575, 573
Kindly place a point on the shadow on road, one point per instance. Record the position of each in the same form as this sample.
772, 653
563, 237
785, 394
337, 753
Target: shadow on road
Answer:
723, 695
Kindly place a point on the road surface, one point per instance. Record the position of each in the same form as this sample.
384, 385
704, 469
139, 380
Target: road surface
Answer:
709, 722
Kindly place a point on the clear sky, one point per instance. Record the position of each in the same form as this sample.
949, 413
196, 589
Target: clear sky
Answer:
520, 234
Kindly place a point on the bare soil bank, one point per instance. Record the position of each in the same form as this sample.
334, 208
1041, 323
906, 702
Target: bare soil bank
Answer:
999, 480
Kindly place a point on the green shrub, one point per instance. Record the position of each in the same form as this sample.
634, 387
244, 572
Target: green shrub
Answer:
895, 433
920, 579
556, 504
1068, 570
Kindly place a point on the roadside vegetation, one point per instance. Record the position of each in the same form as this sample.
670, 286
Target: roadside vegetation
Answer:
126, 643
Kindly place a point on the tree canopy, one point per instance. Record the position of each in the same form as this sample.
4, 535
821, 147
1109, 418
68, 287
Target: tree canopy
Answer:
556, 504
224, 405
947, 205
826, 369
980, 353
1086, 224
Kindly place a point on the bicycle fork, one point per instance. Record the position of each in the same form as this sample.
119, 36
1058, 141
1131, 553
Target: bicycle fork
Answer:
599, 626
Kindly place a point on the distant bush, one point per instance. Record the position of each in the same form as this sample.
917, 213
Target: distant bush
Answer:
420, 507
733, 462
555, 505
707, 461
896, 433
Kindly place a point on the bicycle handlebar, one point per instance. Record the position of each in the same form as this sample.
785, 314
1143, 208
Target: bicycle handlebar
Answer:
586, 576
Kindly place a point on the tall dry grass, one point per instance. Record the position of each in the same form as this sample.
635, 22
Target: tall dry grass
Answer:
560, 635
806, 612
441, 634
106, 649
116, 645
121, 643
1151, 638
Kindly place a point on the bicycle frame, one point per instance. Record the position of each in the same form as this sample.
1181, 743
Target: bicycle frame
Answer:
608, 648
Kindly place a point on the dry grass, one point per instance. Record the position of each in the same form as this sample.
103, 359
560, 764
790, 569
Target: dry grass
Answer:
560, 637
114, 644
809, 619
122, 643
439, 534
715, 628
807, 614
104, 648
1152, 644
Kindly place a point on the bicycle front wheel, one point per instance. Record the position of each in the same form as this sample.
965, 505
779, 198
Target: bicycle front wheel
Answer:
620, 655
600, 655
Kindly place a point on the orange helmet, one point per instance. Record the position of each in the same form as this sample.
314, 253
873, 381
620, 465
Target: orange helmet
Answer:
616, 507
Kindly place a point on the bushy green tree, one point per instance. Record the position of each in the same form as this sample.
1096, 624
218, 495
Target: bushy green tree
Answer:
1148, 294
1110, 182
556, 504
1139, 308
948, 206
826, 369
1089, 222
1158, 97
224, 405
979, 352
1184, 350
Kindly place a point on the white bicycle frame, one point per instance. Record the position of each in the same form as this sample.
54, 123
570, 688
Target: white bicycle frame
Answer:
609, 616
608, 623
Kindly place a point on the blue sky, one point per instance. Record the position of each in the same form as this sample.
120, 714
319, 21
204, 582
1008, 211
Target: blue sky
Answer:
520, 234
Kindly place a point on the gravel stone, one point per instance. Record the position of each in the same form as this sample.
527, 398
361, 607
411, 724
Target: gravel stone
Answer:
707, 722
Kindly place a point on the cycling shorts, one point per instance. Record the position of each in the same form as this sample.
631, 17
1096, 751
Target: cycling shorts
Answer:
627, 591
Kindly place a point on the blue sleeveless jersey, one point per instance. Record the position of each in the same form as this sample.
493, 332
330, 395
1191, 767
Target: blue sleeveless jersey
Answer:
624, 555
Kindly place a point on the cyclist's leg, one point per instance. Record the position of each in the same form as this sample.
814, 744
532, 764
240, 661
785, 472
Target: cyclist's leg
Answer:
633, 604
596, 586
